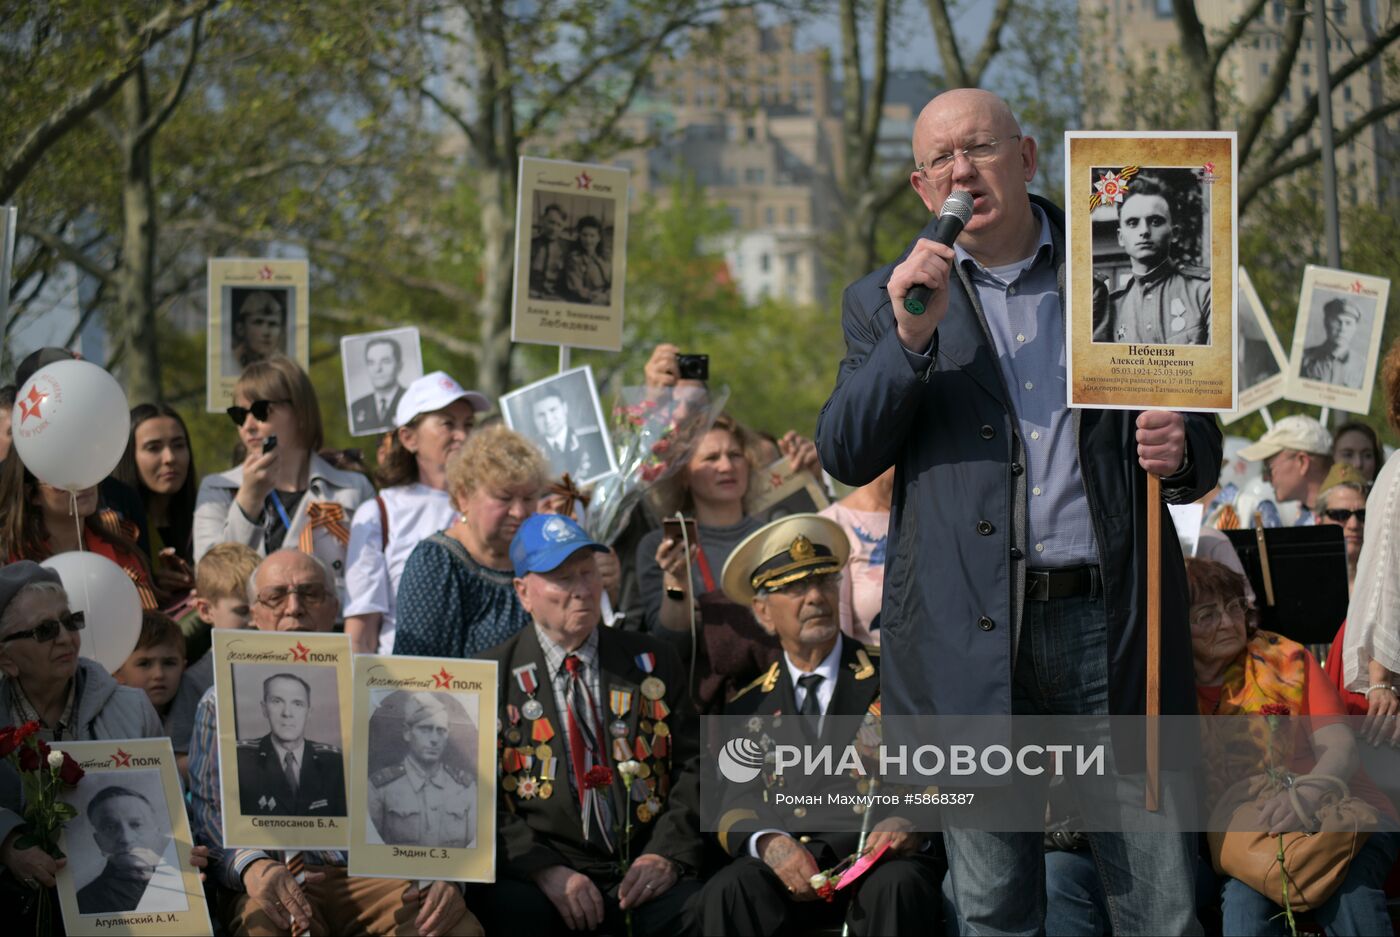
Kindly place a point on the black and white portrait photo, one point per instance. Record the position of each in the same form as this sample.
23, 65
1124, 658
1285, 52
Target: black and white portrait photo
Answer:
290, 761
378, 367
562, 416
1257, 362
422, 788
571, 254
1338, 331
121, 845
1151, 256
261, 324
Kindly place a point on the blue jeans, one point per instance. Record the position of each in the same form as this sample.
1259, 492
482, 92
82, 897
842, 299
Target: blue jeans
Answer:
1356, 909
998, 879
1074, 903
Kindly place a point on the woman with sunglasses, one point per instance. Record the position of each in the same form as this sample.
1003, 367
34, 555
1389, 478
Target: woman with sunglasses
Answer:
43, 680
38, 521
284, 493
1341, 502
159, 465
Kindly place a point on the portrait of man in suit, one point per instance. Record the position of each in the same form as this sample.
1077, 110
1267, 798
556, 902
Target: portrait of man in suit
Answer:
134, 839
283, 773
374, 412
550, 413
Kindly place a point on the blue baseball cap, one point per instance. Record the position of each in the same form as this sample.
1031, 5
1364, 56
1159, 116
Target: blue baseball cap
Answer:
546, 540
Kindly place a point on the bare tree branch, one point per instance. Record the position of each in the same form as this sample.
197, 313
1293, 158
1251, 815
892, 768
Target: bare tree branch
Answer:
89, 310
69, 252
1255, 182
453, 343
1256, 115
18, 164
991, 45
148, 129
956, 72
1233, 34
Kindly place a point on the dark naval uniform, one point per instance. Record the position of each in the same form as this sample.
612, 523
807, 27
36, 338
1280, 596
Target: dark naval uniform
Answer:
265, 791
899, 895
1168, 305
409, 808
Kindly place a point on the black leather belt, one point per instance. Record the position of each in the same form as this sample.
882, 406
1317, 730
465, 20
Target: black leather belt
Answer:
1042, 585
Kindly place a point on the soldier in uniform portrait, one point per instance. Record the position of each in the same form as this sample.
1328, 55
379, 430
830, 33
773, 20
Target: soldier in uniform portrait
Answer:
422, 801
1163, 302
283, 773
788, 572
1335, 361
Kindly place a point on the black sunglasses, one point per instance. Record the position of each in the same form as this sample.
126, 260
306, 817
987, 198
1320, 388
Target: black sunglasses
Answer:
1342, 515
259, 408
46, 631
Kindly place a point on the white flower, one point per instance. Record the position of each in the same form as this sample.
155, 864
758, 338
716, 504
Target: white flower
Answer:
55, 760
817, 881
629, 768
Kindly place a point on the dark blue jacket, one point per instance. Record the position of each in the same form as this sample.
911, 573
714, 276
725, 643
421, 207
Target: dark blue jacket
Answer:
954, 589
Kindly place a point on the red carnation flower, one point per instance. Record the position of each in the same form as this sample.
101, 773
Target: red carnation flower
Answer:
1275, 709
7, 741
597, 776
26, 730
70, 773
30, 759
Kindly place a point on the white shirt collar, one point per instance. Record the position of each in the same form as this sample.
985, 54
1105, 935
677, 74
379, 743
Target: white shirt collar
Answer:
829, 669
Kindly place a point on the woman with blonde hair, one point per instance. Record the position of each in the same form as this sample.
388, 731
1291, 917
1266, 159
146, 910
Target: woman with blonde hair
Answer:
284, 493
456, 597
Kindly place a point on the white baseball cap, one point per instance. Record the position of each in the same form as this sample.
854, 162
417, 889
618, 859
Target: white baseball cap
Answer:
433, 392
1298, 432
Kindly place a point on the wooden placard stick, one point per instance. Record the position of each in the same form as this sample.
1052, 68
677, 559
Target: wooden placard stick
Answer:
1154, 635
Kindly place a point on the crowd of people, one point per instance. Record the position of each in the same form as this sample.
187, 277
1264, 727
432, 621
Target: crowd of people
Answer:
986, 557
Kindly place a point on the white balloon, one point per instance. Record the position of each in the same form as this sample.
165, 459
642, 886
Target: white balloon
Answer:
106, 595
70, 424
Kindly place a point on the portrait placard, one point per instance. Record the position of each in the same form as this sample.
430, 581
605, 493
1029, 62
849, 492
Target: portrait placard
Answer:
1261, 368
561, 414
128, 848
1337, 338
570, 254
424, 769
378, 367
257, 308
779, 490
1150, 226
283, 703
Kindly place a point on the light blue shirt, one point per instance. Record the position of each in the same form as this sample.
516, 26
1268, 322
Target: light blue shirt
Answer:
1023, 311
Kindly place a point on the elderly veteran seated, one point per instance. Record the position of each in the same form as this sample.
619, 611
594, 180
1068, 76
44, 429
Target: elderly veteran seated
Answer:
789, 573
43, 680
295, 591
579, 705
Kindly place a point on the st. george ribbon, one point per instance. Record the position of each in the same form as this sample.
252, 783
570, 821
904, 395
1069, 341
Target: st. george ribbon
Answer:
956, 212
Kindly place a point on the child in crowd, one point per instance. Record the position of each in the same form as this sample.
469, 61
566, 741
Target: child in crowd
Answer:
157, 666
220, 601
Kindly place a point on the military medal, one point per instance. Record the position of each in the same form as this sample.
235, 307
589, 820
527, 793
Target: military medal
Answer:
660, 744
645, 725
643, 813
653, 688
642, 749
662, 729
620, 750
659, 709
533, 709
525, 679
617, 729
542, 731
513, 711
543, 752
644, 770
546, 790
639, 790
654, 805
512, 736
508, 783
527, 788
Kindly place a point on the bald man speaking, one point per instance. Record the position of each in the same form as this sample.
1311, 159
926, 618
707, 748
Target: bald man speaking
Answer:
1016, 571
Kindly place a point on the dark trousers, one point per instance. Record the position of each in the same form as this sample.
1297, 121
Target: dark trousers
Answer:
899, 895
515, 908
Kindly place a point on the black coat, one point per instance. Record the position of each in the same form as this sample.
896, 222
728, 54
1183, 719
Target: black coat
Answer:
262, 783
535, 833
954, 590
364, 412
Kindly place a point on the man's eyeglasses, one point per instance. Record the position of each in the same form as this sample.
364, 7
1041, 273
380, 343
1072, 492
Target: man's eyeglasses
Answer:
1208, 616
978, 154
276, 598
799, 587
46, 631
1342, 515
259, 408
1266, 471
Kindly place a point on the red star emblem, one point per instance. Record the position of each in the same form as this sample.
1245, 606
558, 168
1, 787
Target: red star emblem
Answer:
584, 180
121, 759
264, 272
29, 406
775, 479
300, 651
442, 679
1209, 168
1356, 286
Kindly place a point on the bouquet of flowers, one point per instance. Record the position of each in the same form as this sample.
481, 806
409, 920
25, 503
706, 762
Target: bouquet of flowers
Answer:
655, 431
43, 774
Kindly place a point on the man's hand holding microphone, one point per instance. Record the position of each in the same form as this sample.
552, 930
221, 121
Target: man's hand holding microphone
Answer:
918, 287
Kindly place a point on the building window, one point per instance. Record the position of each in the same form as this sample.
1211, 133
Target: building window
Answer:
763, 263
791, 215
791, 264
1307, 69
1164, 9
1263, 68
753, 176
1346, 92
770, 217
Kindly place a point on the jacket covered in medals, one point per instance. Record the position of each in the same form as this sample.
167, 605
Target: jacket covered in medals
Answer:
263, 789
751, 808
1168, 305
539, 820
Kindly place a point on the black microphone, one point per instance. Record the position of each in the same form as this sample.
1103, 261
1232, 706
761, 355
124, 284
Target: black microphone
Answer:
956, 212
